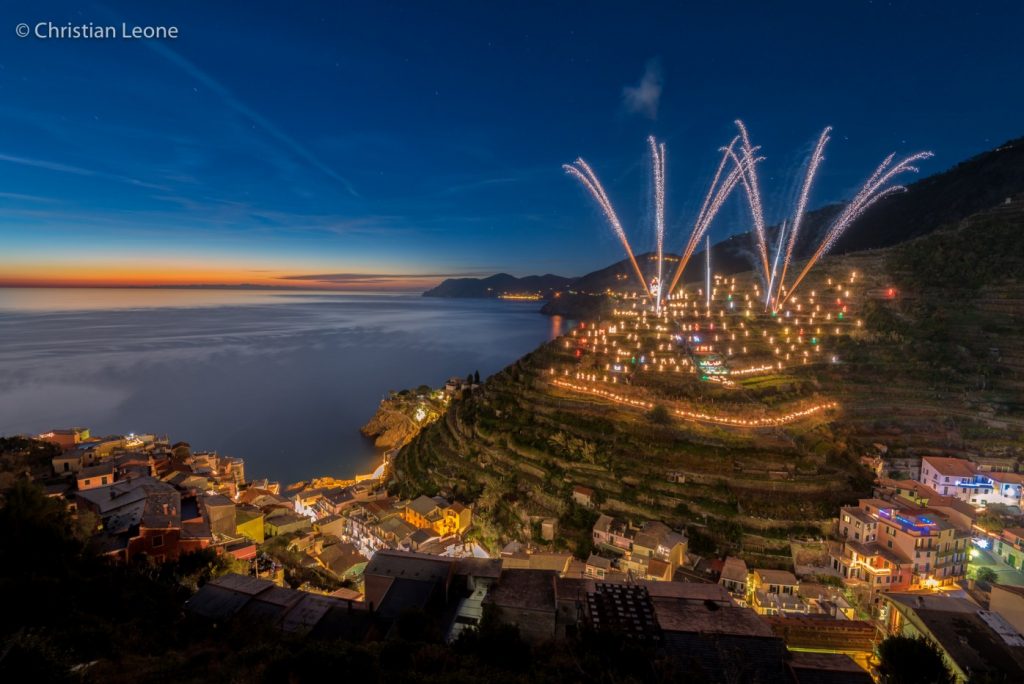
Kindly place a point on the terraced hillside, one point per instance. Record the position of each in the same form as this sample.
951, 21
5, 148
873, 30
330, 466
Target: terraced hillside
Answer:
917, 353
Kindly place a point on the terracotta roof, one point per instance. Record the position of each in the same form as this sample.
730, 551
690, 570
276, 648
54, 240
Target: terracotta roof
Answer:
953, 467
783, 577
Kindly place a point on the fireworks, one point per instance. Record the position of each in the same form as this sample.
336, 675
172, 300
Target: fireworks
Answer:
775, 265
744, 171
582, 172
717, 194
872, 191
801, 206
658, 167
753, 189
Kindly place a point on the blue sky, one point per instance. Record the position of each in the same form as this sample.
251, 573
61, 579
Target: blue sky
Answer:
426, 138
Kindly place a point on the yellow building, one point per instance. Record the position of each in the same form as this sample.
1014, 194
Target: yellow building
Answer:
249, 523
438, 515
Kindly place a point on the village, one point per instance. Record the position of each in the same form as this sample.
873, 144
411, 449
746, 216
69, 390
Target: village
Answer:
936, 552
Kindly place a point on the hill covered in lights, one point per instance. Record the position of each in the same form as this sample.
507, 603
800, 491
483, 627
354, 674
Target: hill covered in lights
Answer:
747, 427
935, 202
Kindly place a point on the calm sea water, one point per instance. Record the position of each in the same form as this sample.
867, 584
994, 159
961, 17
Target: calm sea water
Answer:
283, 380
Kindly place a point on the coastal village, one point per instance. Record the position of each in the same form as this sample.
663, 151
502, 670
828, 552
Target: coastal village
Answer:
936, 552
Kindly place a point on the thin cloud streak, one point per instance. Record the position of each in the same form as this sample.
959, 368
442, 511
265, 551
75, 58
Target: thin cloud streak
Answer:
241, 108
77, 171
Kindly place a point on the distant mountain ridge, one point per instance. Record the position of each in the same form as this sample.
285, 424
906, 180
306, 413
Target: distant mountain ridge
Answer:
498, 285
940, 200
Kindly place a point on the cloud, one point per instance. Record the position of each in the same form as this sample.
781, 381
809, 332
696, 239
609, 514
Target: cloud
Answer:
242, 109
374, 278
643, 98
76, 170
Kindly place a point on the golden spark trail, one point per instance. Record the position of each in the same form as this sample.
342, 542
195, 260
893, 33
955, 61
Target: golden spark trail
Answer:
801, 207
869, 194
589, 180
752, 185
717, 194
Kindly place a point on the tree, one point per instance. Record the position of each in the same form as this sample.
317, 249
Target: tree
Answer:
659, 415
905, 660
476, 377
986, 574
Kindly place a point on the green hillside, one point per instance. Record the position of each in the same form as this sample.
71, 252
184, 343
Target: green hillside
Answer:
935, 364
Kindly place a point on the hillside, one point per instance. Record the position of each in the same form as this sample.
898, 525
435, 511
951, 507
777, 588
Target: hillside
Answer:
936, 365
497, 285
934, 202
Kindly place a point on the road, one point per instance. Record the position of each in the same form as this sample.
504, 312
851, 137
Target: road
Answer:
1006, 574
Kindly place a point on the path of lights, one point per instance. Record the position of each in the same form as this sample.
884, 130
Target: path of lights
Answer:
698, 416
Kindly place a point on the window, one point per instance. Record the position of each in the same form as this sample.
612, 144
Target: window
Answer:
103, 480
158, 541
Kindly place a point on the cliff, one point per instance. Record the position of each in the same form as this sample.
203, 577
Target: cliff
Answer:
401, 416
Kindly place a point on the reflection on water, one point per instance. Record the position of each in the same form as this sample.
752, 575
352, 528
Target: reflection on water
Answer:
99, 298
282, 379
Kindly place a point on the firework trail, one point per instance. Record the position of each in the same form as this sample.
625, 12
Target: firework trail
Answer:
870, 193
775, 266
586, 176
753, 189
801, 207
717, 194
658, 167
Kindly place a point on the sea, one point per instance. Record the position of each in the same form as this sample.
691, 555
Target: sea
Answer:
281, 379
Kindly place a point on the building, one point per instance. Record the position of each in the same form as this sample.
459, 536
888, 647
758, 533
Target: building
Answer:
65, 438
703, 630
548, 528
775, 592
282, 521
341, 559
1010, 547
734, 577
526, 599
95, 476
977, 645
650, 551
967, 482
249, 523
623, 610
944, 474
886, 546
292, 611
1008, 602
438, 515
598, 567
220, 511
809, 667
583, 496
414, 574
854, 638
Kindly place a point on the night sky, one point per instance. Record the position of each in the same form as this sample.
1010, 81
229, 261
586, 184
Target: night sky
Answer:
388, 145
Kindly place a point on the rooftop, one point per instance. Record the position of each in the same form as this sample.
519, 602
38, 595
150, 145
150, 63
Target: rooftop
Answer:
402, 564
708, 617
524, 590
951, 467
782, 577
734, 569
